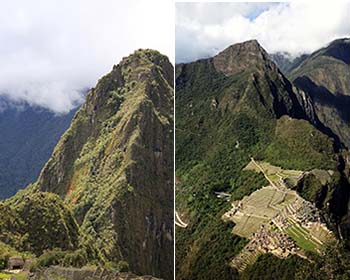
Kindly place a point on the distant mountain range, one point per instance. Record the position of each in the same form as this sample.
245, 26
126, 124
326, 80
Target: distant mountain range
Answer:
324, 76
286, 62
239, 105
28, 136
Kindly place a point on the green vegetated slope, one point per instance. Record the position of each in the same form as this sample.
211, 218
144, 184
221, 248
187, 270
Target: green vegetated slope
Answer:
334, 264
298, 145
229, 108
113, 171
41, 221
324, 77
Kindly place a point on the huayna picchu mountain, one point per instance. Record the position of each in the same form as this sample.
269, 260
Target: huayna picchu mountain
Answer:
111, 174
250, 147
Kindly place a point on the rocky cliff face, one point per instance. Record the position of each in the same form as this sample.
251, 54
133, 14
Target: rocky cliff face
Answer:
113, 167
242, 56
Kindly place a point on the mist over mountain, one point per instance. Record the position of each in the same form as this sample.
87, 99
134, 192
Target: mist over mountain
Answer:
286, 62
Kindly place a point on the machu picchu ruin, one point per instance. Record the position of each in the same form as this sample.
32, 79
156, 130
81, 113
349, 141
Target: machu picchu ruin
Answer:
276, 219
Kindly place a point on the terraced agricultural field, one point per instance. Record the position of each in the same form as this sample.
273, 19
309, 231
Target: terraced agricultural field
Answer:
247, 225
275, 173
258, 208
321, 233
303, 238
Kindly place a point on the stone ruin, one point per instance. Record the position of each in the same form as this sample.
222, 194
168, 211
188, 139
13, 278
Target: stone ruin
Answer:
15, 263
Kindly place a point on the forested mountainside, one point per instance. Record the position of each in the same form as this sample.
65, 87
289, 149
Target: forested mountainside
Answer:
28, 137
106, 193
235, 110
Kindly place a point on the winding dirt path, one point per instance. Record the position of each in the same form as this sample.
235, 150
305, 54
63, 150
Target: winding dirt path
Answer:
179, 222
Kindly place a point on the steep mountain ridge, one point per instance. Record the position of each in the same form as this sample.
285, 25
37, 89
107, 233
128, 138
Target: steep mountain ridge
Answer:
325, 79
250, 61
241, 56
328, 67
113, 167
114, 164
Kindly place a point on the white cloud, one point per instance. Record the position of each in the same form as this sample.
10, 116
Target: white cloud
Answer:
50, 50
297, 27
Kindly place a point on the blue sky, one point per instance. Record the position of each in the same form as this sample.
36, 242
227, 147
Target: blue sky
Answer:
203, 29
257, 10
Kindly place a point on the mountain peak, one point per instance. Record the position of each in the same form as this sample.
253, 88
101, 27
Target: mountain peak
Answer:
242, 56
252, 46
145, 55
145, 61
339, 49
121, 135
344, 40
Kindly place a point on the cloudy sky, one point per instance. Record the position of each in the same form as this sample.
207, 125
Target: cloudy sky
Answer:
203, 29
50, 50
